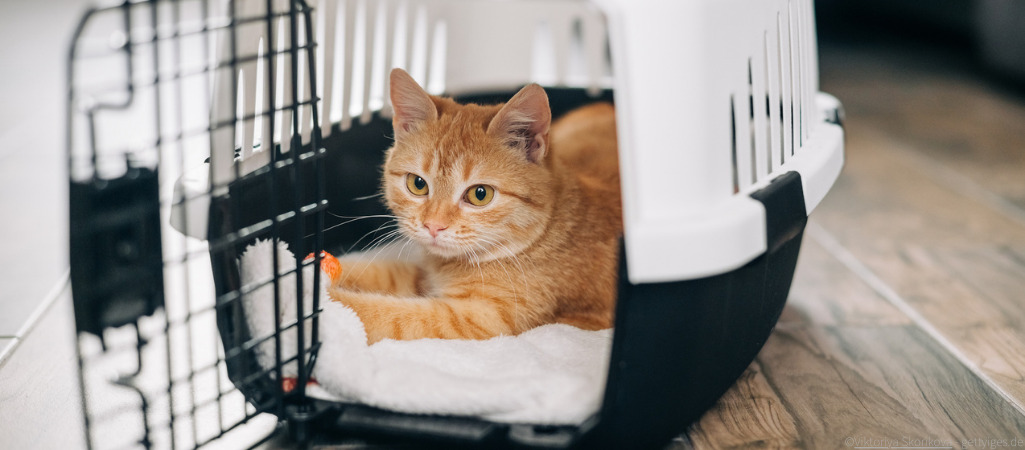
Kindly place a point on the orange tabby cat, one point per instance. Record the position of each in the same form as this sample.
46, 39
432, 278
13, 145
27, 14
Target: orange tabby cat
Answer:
520, 219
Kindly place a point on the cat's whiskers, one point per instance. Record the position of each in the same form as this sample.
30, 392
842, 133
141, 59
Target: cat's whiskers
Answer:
408, 241
380, 228
380, 241
373, 246
383, 226
372, 216
490, 253
515, 259
493, 240
352, 219
512, 282
368, 197
476, 259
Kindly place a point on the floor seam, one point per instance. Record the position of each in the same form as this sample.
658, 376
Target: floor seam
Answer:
952, 179
838, 251
7, 351
48, 301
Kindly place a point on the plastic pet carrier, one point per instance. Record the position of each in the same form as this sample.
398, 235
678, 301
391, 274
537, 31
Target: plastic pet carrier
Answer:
197, 127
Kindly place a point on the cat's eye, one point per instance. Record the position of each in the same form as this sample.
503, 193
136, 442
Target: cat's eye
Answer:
480, 195
416, 184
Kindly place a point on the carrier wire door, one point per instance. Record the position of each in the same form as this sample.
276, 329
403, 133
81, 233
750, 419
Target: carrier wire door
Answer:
153, 86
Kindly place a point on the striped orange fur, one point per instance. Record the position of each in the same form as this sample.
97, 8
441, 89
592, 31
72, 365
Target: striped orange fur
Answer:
543, 250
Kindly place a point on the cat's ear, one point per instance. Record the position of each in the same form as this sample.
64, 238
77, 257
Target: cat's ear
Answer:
412, 105
524, 122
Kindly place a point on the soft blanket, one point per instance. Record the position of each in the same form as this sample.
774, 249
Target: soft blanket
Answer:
553, 374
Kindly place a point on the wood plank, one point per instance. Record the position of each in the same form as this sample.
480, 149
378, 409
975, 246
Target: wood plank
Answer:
880, 383
997, 275
844, 362
751, 412
814, 387
994, 273
883, 198
937, 103
996, 350
947, 255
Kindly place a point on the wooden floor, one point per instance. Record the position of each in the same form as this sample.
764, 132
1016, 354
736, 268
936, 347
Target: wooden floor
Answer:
906, 323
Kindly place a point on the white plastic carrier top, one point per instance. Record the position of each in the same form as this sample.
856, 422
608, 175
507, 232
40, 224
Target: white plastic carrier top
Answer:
714, 98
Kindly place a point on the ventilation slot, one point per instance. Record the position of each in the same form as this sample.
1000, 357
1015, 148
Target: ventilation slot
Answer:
769, 120
362, 41
776, 95
798, 70
780, 92
359, 42
255, 106
751, 123
790, 80
808, 72
758, 121
733, 143
782, 84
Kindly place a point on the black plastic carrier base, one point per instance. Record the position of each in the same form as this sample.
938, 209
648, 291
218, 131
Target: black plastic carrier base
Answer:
677, 346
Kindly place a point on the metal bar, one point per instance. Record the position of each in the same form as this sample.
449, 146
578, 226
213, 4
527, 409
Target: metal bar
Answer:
276, 281
236, 308
319, 213
208, 95
175, 19
158, 125
302, 376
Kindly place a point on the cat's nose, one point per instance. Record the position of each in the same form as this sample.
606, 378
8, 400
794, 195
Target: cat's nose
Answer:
434, 227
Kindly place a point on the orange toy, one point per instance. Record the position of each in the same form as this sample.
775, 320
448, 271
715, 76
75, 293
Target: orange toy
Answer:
329, 264
289, 383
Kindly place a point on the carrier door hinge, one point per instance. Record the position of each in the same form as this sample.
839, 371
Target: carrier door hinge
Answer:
116, 256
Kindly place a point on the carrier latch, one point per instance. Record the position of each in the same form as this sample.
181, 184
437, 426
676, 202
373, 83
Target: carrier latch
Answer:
116, 257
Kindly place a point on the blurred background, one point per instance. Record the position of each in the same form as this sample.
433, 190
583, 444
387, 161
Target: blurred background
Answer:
947, 73
928, 216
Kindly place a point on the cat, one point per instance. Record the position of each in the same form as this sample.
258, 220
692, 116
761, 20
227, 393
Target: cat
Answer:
519, 219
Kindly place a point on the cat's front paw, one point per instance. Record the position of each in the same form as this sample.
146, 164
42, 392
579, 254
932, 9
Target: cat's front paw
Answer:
329, 265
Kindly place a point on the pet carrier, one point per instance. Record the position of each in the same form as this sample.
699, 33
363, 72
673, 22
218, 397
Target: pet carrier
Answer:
197, 127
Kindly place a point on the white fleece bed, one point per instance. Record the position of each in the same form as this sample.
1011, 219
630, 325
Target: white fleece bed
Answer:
553, 374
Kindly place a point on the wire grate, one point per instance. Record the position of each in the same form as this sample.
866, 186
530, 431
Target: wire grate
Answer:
160, 90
